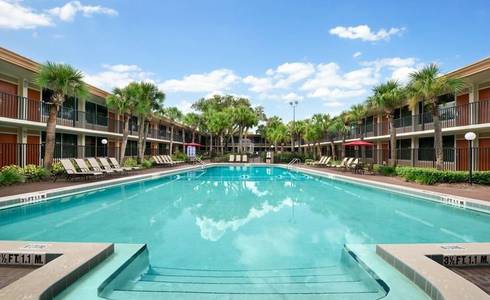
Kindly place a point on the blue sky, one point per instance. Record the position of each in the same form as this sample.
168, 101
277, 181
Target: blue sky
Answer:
325, 54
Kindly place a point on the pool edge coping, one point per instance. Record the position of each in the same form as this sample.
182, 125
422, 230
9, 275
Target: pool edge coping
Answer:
443, 198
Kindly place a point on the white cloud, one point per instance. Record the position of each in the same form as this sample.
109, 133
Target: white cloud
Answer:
13, 15
68, 11
364, 33
357, 54
292, 97
118, 76
289, 73
258, 84
400, 67
221, 79
185, 106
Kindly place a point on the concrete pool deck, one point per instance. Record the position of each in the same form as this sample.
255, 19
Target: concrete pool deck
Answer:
59, 265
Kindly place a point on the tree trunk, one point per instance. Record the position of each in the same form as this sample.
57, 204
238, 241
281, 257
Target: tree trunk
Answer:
124, 139
141, 132
343, 147
232, 143
193, 135
391, 119
222, 145
211, 145
437, 138
171, 139
318, 150
332, 145
50, 136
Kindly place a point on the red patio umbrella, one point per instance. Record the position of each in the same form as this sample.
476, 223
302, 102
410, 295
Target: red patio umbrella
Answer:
193, 144
359, 143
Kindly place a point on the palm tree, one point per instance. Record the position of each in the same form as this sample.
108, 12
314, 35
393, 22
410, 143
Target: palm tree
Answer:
386, 98
321, 123
192, 120
244, 117
426, 85
123, 102
63, 80
174, 115
217, 123
357, 114
150, 99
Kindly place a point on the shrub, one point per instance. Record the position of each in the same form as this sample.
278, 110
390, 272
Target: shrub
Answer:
33, 172
384, 170
11, 174
147, 163
57, 169
286, 157
432, 176
130, 162
179, 156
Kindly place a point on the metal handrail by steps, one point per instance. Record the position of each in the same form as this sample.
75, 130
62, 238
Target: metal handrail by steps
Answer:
200, 162
293, 161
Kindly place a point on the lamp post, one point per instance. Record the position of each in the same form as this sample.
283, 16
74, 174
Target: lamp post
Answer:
293, 105
470, 136
104, 146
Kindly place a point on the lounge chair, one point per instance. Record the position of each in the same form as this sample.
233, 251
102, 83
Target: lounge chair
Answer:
169, 158
92, 161
346, 164
245, 158
71, 171
353, 165
165, 160
232, 158
116, 165
342, 163
160, 162
319, 162
325, 163
82, 165
106, 166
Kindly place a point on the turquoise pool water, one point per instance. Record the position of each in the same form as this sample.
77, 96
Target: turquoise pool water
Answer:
238, 231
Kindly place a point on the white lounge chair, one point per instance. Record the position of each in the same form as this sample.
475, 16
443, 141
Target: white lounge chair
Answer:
232, 158
160, 162
342, 163
92, 161
322, 160
116, 165
245, 158
71, 171
106, 166
169, 158
325, 163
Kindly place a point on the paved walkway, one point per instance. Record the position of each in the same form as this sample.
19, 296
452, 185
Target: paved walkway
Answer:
480, 276
30, 187
480, 192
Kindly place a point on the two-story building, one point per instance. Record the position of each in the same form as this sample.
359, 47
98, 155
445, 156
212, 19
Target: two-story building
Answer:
82, 125
467, 111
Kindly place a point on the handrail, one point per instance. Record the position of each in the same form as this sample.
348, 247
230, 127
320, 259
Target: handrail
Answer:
293, 161
200, 162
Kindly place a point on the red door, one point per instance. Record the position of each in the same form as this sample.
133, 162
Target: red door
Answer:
8, 149
33, 105
8, 100
484, 106
484, 154
462, 110
462, 155
32, 150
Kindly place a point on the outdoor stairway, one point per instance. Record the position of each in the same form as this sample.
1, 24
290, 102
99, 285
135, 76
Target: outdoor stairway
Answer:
329, 282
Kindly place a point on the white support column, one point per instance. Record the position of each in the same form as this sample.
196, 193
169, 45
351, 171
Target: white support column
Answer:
81, 145
23, 92
414, 146
22, 149
473, 98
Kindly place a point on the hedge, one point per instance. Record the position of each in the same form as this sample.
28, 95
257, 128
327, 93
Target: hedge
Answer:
433, 176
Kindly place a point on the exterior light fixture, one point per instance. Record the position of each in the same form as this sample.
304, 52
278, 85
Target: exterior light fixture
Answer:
470, 136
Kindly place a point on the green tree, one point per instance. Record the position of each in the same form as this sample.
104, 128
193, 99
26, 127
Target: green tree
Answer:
174, 115
149, 100
193, 120
123, 101
357, 113
427, 86
218, 122
63, 80
386, 98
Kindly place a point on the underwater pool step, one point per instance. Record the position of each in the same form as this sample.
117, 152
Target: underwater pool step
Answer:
149, 294
251, 289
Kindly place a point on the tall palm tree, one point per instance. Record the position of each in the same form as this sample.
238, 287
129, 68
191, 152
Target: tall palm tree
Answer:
192, 120
174, 115
426, 85
357, 114
386, 98
123, 101
63, 80
217, 123
244, 117
320, 124
150, 99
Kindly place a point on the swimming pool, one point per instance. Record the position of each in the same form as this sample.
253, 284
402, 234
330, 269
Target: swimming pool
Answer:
238, 231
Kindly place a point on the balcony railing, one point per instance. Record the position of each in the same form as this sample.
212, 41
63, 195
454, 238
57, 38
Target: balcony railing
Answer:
22, 108
458, 115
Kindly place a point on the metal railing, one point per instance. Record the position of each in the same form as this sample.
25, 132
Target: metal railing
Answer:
22, 108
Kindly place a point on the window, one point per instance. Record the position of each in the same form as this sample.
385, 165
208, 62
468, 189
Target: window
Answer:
404, 149
65, 145
96, 114
426, 149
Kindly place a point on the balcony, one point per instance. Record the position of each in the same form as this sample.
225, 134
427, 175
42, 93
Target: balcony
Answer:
454, 116
22, 108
